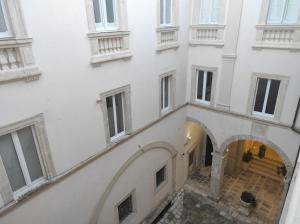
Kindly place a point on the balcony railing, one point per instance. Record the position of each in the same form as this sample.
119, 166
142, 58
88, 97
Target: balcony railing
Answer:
108, 46
16, 60
167, 38
207, 35
278, 36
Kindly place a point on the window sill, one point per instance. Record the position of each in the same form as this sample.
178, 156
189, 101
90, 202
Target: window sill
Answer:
109, 46
262, 116
27, 74
24, 196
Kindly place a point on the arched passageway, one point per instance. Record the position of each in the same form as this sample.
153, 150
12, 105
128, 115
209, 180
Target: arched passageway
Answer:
258, 167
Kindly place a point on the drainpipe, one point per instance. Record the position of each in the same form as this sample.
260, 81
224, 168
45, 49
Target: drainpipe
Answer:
295, 118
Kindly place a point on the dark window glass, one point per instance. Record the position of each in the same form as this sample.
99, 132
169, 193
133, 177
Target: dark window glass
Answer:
119, 109
191, 158
110, 114
160, 176
272, 97
162, 94
110, 11
11, 163
97, 11
166, 92
30, 153
161, 11
208, 86
125, 208
200, 84
260, 94
3, 27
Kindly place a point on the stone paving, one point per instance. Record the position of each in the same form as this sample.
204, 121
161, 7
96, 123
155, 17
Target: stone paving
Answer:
191, 208
267, 192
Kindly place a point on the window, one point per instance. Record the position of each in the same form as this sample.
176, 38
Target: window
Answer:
105, 14
20, 157
266, 96
165, 93
191, 158
209, 11
204, 86
4, 23
125, 208
115, 105
115, 114
283, 11
165, 12
160, 176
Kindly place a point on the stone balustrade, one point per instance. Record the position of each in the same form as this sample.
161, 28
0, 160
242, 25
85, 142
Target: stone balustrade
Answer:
108, 46
16, 60
207, 35
167, 38
278, 36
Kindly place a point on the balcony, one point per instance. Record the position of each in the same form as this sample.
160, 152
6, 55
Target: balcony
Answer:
209, 35
278, 37
167, 38
16, 61
109, 46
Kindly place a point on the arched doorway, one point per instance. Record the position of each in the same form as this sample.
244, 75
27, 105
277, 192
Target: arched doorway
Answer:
258, 167
199, 146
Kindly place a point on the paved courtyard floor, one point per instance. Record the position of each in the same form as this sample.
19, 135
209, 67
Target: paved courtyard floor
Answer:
191, 208
267, 192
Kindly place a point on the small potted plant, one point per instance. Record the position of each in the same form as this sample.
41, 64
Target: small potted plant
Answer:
248, 199
247, 157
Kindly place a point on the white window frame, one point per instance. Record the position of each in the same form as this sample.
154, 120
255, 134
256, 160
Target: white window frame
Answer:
263, 113
284, 81
104, 25
37, 125
126, 106
163, 80
6, 34
203, 88
29, 184
282, 21
118, 135
164, 19
210, 13
157, 188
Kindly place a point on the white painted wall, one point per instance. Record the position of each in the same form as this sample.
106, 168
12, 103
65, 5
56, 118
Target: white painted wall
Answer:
69, 88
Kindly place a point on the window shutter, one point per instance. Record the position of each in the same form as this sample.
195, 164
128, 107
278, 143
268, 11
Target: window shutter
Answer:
292, 12
6, 194
215, 11
204, 11
276, 10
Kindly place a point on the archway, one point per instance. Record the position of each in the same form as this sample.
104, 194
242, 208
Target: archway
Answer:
255, 165
199, 146
150, 147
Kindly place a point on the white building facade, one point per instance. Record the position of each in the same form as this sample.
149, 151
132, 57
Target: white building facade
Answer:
95, 95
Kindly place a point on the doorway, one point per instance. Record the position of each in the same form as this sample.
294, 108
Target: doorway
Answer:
208, 151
